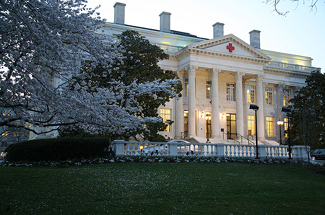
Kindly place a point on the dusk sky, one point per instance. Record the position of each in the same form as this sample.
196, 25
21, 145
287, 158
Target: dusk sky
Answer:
301, 32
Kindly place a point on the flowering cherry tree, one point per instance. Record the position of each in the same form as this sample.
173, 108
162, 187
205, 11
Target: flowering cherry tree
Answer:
43, 44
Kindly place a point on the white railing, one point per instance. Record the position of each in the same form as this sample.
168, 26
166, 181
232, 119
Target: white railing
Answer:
129, 148
293, 66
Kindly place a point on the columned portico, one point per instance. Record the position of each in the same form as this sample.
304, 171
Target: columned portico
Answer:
215, 124
260, 104
191, 100
239, 103
179, 122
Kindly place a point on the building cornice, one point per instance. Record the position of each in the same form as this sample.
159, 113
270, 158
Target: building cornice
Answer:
283, 71
186, 51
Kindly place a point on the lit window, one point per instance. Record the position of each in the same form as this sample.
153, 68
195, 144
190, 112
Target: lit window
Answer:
186, 87
27, 125
269, 95
286, 97
251, 125
251, 94
208, 89
16, 134
284, 63
230, 92
286, 125
165, 114
270, 126
165, 45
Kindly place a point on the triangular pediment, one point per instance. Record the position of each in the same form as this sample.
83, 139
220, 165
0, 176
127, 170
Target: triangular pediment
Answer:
229, 45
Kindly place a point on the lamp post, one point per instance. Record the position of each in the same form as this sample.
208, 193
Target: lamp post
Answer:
255, 108
280, 123
288, 110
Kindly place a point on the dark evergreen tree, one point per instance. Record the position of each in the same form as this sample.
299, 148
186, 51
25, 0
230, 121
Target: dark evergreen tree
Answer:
307, 119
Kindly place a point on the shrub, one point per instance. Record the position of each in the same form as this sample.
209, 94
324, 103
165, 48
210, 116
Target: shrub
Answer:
58, 149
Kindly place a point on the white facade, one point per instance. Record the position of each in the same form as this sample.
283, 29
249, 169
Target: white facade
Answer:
221, 77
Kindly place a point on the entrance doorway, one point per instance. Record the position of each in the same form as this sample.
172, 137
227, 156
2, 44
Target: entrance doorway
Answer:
231, 126
208, 125
185, 123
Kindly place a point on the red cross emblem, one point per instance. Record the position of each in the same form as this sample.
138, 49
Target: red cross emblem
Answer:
230, 47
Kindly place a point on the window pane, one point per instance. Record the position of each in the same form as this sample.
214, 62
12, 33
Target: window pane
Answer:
208, 89
251, 94
269, 95
270, 126
165, 114
186, 87
251, 125
230, 92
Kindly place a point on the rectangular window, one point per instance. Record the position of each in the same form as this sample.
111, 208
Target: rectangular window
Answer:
16, 134
166, 114
286, 97
208, 89
286, 125
251, 94
230, 92
270, 126
269, 95
251, 125
186, 87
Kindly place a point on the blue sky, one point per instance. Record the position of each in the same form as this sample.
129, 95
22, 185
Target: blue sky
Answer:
301, 32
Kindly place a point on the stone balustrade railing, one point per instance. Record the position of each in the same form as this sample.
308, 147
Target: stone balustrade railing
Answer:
129, 148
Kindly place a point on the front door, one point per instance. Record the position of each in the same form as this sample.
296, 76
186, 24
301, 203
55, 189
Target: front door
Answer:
185, 123
208, 125
231, 126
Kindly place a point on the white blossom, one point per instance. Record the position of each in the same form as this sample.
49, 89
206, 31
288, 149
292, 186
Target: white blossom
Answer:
42, 46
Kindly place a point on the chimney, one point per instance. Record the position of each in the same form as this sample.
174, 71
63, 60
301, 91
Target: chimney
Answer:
119, 13
165, 21
218, 29
255, 39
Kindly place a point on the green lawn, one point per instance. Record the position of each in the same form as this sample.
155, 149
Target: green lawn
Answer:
162, 188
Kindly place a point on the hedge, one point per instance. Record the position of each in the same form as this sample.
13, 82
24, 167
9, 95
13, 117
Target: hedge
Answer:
58, 149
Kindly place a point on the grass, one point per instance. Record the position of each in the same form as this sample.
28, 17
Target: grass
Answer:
162, 188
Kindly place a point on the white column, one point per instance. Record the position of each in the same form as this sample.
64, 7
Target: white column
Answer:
191, 100
179, 112
239, 103
245, 108
215, 122
260, 104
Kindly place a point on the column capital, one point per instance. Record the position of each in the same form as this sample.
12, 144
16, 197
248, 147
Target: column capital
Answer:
180, 73
264, 84
239, 75
191, 69
216, 70
260, 77
280, 87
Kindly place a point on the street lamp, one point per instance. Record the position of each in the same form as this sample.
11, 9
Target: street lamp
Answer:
255, 108
280, 123
288, 110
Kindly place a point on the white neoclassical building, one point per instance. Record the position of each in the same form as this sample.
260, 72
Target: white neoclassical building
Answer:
221, 77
